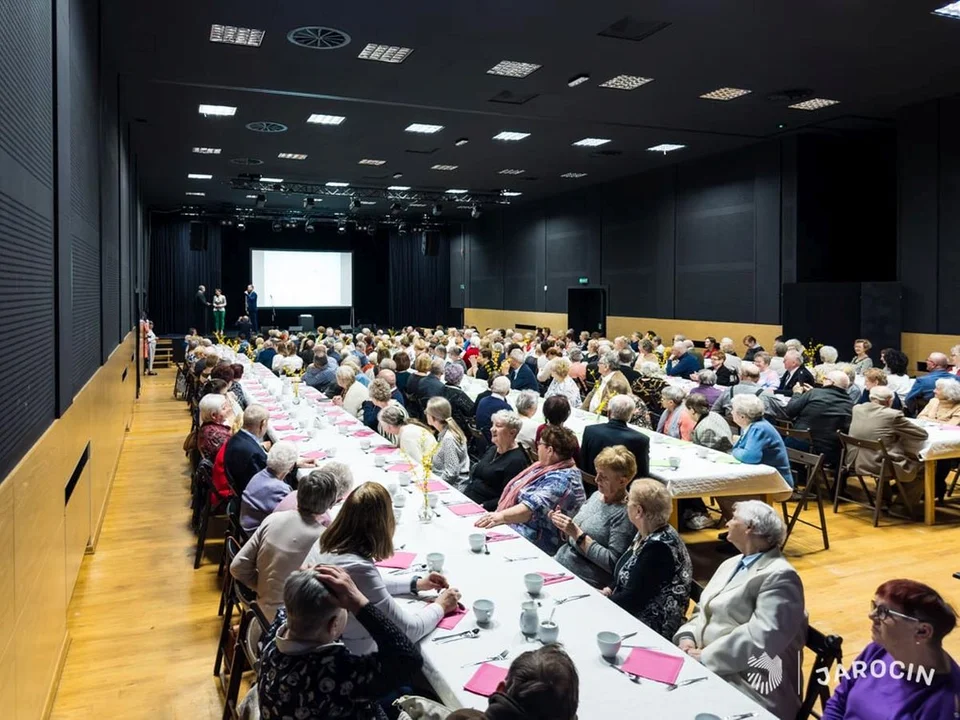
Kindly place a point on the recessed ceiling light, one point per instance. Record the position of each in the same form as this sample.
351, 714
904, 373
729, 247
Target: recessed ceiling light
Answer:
399, 188
385, 53
292, 156
444, 167
368, 202
368, 161
222, 110
199, 176
206, 151
573, 175
511, 68
271, 180
578, 80
334, 183
952, 10
509, 135
251, 197
461, 142
511, 171
725, 93
232, 35
591, 142
318, 119
813, 104
425, 129
457, 191
511, 193
397, 175
665, 148
417, 205
197, 194
626, 82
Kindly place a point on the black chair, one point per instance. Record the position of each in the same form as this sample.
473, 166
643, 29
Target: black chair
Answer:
887, 480
812, 466
203, 489
828, 651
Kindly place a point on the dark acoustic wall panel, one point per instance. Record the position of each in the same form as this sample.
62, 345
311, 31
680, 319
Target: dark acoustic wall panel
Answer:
523, 241
27, 399
111, 301
573, 247
948, 247
125, 216
788, 209
486, 264
176, 271
458, 282
767, 192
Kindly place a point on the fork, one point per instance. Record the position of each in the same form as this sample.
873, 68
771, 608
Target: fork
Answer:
673, 686
532, 557
571, 598
493, 658
633, 678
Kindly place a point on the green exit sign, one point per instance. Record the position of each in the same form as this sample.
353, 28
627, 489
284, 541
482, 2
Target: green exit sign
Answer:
584, 281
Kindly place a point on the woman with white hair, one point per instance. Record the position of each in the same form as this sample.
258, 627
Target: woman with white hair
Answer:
675, 421
352, 392
562, 383
759, 442
528, 402
216, 417
752, 609
451, 462
943, 408
501, 462
269, 486
769, 379
828, 357
706, 386
413, 437
343, 477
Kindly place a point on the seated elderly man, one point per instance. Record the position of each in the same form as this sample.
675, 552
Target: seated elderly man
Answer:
795, 373
938, 367
752, 610
243, 455
823, 411
598, 436
496, 401
601, 392
902, 439
321, 372
681, 363
749, 385
520, 374
528, 402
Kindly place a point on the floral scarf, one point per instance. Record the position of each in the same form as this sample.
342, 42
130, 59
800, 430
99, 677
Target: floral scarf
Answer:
529, 476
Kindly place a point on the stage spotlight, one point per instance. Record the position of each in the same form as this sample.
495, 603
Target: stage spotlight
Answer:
341, 227
402, 229
355, 204
261, 200
372, 229
308, 203
475, 212
276, 225
309, 227
241, 225
396, 208
437, 209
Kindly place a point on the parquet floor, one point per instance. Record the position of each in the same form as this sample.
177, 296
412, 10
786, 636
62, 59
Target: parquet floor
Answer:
144, 626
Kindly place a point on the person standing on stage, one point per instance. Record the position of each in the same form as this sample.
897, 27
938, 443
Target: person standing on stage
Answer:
250, 303
200, 310
219, 310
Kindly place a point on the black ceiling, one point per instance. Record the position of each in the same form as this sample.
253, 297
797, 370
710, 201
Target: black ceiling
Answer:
872, 57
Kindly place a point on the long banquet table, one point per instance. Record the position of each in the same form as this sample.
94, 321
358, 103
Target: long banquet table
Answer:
603, 691
942, 443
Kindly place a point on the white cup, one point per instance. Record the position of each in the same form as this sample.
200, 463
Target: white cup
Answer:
391, 487
364, 444
483, 610
477, 541
548, 632
397, 513
433, 499
379, 460
674, 462
404, 479
533, 583
435, 562
331, 451
400, 499
344, 429
609, 644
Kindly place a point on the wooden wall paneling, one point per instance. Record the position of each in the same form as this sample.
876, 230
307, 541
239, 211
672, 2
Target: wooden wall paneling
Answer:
76, 529
695, 330
483, 319
918, 346
8, 682
8, 616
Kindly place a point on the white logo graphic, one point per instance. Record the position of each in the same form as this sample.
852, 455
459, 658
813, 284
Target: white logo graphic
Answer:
766, 675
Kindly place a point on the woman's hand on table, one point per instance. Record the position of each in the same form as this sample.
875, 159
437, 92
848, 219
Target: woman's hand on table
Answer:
448, 600
489, 520
433, 581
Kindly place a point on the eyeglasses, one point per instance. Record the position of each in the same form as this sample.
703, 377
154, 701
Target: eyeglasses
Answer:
882, 612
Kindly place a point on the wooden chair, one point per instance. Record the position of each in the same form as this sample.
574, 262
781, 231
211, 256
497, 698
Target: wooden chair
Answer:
815, 479
828, 651
588, 479
799, 435
203, 482
887, 479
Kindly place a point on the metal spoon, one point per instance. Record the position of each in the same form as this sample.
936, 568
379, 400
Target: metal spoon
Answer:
469, 635
673, 686
475, 631
486, 550
632, 677
493, 658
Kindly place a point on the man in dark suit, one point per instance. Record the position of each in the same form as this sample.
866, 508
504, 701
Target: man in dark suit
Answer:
244, 456
520, 374
795, 373
494, 402
626, 366
250, 302
200, 305
598, 436
244, 326
753, 347
431, 385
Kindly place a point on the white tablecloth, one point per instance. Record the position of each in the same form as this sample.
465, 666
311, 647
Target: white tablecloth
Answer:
943, 441
603, 692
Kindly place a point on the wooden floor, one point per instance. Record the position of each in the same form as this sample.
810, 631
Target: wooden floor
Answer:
144, 626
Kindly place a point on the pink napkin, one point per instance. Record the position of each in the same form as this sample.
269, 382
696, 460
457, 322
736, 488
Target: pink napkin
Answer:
653, 665
437, 486
345, 422
553, 579
383, 450
486, 679
334, 411
273, 408
315, 455
363, 433
949, 427
284, 427
450, 621
278, 416
400, 561
400, 467
499, 537
465, 509
295, 438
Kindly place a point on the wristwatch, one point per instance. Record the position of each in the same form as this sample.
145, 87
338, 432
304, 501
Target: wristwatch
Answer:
413, 584
580, 538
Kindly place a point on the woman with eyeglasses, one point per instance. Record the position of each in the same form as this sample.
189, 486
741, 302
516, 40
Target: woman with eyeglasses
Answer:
909, 621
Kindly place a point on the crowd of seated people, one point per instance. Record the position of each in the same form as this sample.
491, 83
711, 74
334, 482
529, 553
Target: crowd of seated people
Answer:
594, 507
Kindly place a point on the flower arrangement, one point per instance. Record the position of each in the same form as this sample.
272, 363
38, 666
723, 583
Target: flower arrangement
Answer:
811, 351
603, 404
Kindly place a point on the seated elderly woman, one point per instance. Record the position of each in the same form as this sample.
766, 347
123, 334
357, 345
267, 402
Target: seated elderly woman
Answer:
652, 578
216, 417
462, 407
402, 359
540, 683
528, 402
769, 378
341, 474
895, 366
269, 486
501, 462
600, 532
711, 429
618, 386
943, 408
578, 368
282, 541
553, 483
562, 383
305, 672
675, 421
875, 377
909, 621
362, 535
451, 461
726, 375
753, 607
828, 362
706, 386
759, 442
380, 396
649, 386
420, 369
352, 394
646, 354
413, 437
286, 359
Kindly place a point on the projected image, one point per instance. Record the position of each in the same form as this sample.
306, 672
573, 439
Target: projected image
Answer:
302, 279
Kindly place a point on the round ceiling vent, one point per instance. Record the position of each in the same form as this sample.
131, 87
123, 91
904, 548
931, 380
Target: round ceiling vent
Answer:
246, 161
266, 127
319, 38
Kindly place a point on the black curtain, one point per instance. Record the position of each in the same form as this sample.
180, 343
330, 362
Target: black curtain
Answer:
419, 284
176, 271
